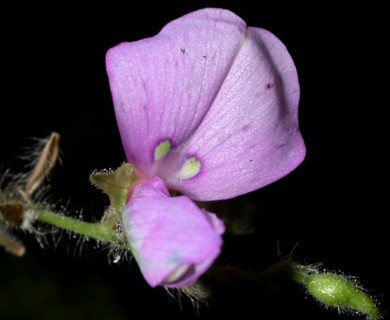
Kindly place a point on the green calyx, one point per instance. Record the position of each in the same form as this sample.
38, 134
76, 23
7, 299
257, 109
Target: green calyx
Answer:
117, 186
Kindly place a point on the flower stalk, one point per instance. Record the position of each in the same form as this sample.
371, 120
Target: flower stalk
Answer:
19, 209
99, 231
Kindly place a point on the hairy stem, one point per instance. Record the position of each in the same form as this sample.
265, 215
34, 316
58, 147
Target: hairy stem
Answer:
98, 231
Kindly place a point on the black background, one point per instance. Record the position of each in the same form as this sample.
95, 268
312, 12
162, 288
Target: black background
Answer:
334, 205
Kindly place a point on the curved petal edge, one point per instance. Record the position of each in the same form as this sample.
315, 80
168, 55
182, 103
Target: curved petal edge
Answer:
173, 241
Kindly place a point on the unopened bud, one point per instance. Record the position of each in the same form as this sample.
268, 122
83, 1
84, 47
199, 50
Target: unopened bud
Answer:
337, 291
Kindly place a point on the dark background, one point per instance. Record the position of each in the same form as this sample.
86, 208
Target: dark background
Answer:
334, 205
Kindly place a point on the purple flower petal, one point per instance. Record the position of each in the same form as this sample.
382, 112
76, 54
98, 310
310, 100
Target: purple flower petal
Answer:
250, 135
162, 87
209, 105
173, 241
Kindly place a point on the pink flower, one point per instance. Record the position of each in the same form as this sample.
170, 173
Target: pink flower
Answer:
207, 108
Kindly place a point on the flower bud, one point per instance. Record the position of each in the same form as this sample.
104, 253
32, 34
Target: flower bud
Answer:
337, 291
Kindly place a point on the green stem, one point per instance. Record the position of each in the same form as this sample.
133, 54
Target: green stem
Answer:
98, 231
